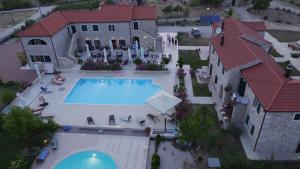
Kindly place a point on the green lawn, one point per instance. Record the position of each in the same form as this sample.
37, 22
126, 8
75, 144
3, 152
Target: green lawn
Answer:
184, 39
226, 145
199, 89
274, 53
88, 4
295, 72
9, 149
192, 58
285, 36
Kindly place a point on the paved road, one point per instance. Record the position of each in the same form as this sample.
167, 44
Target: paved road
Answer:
205, 30
44, 10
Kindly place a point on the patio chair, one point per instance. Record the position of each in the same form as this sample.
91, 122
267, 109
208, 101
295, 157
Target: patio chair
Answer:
90, 120
154, 118
111, 120
42, 156
126, 119
45, 90
42, 102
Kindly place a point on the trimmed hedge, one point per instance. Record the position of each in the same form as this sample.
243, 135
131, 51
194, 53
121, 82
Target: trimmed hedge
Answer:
155, 162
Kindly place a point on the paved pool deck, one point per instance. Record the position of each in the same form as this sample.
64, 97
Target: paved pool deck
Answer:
128, 152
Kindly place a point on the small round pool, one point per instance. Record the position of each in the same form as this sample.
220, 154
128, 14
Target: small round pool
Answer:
87, 160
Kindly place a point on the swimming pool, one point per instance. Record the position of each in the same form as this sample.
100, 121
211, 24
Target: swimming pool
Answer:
111, 91
87, 160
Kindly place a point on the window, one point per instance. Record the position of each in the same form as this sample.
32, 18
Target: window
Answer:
36, 42
297, 117
84, 28
216, 79
257, 104
247, 119
40, 58
223, 70
213, 51
122, 43
298, 148
135, 25
73, 27
252, 129
111, 28
95, 28
219, 61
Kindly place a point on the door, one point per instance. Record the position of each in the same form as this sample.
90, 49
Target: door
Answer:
242, 87
97, 44
298, 148
114, 43
122, 43
89, 43
73, 27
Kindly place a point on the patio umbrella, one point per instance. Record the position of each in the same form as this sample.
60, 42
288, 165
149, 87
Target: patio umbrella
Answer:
37, 70
163, 101
105, 55
110, 45
87, 50
137, 48
142, 54
129, 55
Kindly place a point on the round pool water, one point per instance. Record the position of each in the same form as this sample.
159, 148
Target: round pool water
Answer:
87, 160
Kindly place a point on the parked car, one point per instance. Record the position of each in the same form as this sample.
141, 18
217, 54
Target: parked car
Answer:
196, 33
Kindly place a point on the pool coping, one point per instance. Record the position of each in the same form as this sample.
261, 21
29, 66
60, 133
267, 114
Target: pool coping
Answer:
134, 105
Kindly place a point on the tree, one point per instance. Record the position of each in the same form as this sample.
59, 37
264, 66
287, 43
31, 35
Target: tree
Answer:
180, 62
195, 126
166, 61
7, 96
22, 125
167, 10
260, 4
230, 12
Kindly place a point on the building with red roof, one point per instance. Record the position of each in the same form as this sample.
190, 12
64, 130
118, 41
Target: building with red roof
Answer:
252, 91
56, 38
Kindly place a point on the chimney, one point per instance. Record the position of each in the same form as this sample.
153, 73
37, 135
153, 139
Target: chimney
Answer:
288, 71
222, 39
223, 25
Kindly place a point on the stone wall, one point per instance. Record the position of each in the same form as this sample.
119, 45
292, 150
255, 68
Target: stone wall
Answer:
280, 133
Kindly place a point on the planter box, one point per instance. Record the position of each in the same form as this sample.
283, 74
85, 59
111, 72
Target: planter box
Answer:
101, 71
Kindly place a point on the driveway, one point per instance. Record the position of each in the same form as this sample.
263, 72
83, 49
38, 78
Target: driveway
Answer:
205, 30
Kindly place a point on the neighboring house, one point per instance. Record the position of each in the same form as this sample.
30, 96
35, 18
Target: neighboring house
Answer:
56, 38
252, 91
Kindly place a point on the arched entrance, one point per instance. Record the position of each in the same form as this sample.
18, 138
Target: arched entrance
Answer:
136, 39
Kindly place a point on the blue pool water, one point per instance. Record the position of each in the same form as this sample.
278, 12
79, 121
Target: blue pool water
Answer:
87, 160
112, 91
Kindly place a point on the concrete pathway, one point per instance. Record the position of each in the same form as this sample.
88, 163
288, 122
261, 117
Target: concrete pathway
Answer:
284, 50
189, 89
7, 32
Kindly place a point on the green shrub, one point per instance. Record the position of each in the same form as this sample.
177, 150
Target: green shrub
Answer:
138, 61
155, 162
22, 57
157, 142
7, 96
200, 159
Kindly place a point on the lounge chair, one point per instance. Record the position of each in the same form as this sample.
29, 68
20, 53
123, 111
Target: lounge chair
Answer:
37, 109
154, 118
42, 156
54, 144
111, 120
90, 120
42, 102
126, 119
45, 90
142, 122
57, 82
59, 77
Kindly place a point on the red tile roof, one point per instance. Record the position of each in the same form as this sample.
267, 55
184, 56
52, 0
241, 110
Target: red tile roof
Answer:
107, 13
258, 26
266, 79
